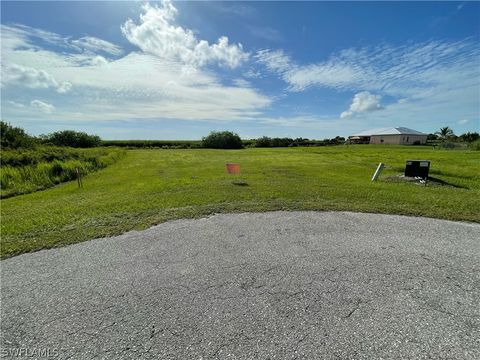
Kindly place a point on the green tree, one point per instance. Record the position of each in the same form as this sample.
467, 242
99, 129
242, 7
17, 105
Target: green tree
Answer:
222, 140
14, 137
72, 138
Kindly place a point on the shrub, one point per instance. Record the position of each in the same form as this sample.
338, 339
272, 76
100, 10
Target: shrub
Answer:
264, 141
449, 145
470, 137
222, 140
281, 142
475, 145
72, 138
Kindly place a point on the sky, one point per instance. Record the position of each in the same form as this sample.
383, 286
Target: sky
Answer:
178, 70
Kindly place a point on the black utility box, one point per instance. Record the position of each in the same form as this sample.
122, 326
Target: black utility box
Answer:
418, 168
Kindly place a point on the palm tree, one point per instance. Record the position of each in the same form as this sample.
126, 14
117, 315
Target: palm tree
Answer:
445, 133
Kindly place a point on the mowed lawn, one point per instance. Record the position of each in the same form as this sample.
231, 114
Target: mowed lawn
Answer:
147, 187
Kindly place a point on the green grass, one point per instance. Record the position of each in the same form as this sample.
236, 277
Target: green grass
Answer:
147, 187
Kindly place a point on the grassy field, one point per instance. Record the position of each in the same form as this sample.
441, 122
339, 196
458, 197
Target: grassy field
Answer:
147, 187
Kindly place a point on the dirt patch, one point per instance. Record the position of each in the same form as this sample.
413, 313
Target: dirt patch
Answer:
240, 183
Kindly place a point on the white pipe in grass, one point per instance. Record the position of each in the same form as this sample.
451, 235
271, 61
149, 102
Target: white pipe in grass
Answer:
378, 171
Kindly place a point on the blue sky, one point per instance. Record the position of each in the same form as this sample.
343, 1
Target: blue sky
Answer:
177, 70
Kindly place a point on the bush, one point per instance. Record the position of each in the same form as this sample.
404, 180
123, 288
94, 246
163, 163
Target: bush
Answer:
264, 141
470, 137
72, 138
450, 145
222, 140
475, 145
14, 137
281, 142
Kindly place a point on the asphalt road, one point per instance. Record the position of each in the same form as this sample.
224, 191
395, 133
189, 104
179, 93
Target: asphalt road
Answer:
279, 285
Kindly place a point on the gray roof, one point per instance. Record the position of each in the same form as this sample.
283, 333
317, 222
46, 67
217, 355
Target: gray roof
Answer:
390, 131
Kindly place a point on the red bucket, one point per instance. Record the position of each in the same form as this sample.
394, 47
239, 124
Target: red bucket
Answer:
233, 168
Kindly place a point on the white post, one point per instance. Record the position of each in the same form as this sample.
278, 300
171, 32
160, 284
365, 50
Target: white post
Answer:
378, 171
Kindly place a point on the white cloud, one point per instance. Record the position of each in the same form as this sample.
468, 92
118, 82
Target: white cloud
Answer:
362, 102
276, 61
64, 87
407, 71
135, 86
253, 74
19, 36
97, 61
17, 75
95, 45
16, 104
241, 83
463, 121
43, 106
25, 46
307, 121
29, 77
156, 34
139, 85
237, 9
328, 74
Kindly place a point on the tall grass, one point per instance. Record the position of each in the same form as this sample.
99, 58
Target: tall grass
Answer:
27, 170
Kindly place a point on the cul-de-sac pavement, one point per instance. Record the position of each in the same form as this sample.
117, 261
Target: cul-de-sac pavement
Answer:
278, 285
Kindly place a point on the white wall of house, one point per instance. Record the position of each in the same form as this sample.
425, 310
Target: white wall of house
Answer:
398, 139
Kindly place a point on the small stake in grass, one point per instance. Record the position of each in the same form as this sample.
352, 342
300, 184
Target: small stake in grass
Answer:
233, 168
79, 177
378, 171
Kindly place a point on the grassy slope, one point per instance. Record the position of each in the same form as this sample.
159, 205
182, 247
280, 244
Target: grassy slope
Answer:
150, 186
28, 170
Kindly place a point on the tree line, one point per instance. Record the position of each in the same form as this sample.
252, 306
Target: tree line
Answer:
230, 140
15, 137
447, 134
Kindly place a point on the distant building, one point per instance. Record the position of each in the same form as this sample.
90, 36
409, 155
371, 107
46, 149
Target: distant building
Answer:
394, 135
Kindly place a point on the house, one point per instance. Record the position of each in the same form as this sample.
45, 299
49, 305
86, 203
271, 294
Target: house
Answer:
394, 135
